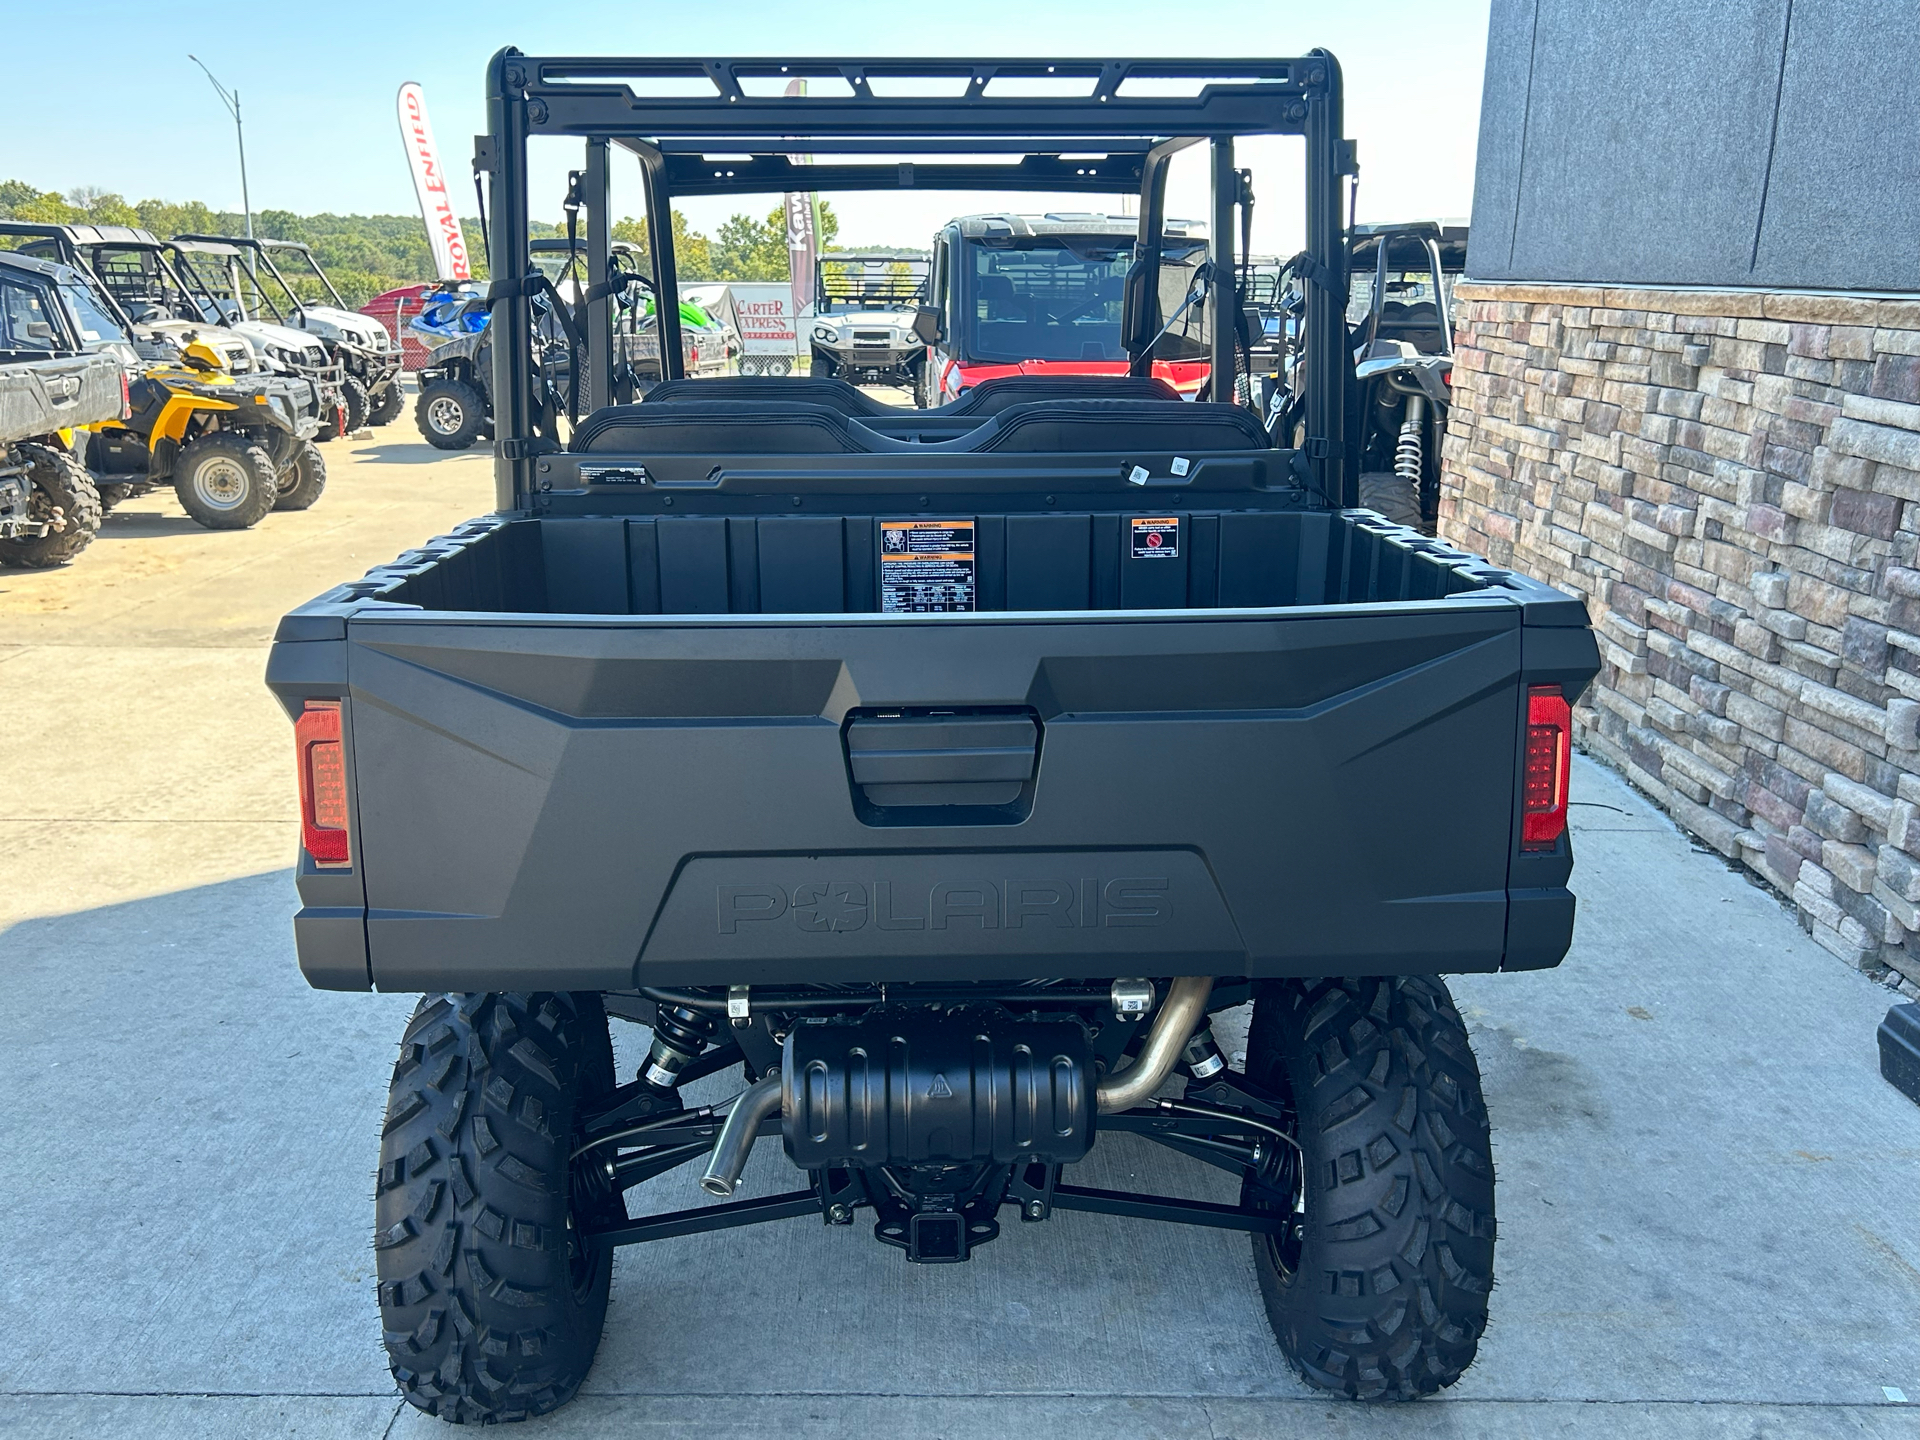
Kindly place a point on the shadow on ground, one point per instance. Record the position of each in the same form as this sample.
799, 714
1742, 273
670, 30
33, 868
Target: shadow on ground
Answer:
146, 525
418, 453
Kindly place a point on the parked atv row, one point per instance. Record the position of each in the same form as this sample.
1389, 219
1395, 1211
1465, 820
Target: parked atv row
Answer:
229, 374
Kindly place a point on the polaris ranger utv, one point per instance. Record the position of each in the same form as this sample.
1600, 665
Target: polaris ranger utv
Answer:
937, 773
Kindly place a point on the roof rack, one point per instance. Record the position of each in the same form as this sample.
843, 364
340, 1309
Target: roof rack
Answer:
995, 100
773, 125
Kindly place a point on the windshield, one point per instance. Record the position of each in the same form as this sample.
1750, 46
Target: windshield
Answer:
140, 282
295, 269
27, 321
237, 292
1266, 285
1409, 295
97, 327
1054, 297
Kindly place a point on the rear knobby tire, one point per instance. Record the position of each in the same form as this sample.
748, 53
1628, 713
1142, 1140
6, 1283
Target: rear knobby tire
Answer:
304, 480
353, 395
387, 407
1380, 1292
226, 481
490, 1309
1392, 496
59, 482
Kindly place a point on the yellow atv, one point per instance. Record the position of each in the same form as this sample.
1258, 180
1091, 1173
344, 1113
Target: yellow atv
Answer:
233, 447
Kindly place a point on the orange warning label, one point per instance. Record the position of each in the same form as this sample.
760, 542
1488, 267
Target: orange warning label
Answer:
926, 566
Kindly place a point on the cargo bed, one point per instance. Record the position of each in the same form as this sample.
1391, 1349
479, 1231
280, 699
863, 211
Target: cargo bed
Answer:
601, 751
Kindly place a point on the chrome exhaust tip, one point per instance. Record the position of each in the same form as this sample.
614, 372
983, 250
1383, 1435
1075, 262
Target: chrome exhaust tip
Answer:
737, 1134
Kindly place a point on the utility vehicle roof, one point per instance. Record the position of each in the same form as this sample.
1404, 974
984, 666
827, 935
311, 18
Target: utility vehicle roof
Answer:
249, 242
48, 269
1061, 222
849, 257
105, 234
922, 124
1433, 228
199, 245
1406, 243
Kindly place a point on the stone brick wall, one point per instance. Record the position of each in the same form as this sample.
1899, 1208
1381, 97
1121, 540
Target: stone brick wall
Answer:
1731, 480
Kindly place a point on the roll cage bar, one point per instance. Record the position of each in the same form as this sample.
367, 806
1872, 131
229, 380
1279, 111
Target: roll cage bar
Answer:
709, 127
264, 249
71, 257
850, 289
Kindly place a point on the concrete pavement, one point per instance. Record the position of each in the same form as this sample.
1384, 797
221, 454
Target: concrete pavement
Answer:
1709, 1204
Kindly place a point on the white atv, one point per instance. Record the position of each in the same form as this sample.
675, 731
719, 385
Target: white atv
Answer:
864, 306
227, 292
369, 360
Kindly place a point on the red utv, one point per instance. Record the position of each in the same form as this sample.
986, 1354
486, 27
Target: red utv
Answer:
1043, 295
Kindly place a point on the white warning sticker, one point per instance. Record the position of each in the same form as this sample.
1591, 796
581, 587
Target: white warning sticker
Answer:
1156, 537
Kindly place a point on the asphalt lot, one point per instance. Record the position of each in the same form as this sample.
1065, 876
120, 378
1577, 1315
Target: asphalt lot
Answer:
1710, 1202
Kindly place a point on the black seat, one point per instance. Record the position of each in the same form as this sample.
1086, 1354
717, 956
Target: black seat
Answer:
805, 389
754, 427
720, 427
990, 397
1150, 427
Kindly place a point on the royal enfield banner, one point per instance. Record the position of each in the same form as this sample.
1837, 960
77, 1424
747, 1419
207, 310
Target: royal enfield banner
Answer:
430, 184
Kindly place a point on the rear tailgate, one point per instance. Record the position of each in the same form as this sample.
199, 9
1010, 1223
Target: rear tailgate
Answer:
595, 802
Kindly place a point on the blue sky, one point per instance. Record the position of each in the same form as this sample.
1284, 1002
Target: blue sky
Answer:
317, 87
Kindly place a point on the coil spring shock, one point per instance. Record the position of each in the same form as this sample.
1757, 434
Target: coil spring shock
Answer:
1408, 456
680, 1033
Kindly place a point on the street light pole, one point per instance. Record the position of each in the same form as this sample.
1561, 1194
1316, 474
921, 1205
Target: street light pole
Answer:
231, 99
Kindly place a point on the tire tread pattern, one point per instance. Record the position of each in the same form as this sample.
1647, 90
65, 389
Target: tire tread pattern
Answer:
481, 1315
69, 485
1390, 1296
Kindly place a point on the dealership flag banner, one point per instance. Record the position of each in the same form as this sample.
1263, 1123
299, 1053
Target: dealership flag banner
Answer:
803, 229
430, 184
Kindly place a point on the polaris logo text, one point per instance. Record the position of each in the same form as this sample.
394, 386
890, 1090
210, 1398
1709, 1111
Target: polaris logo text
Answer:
845, 905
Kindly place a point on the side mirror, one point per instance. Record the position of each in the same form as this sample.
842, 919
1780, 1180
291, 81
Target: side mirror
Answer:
929, 326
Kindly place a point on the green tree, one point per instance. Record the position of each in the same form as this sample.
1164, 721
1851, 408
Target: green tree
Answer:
46, 209
12, 193
166, 218
279, 225
747, 248
692, 251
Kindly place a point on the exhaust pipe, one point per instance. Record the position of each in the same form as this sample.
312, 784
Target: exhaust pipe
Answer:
737, 1134
1186, 1006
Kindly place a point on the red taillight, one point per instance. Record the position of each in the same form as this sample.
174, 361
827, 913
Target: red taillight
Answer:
323, 783
1543, 779
126, 397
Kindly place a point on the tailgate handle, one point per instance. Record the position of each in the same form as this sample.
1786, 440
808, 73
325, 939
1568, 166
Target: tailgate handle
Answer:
921, 760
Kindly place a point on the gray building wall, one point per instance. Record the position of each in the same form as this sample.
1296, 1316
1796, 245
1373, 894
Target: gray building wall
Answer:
1767, 143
